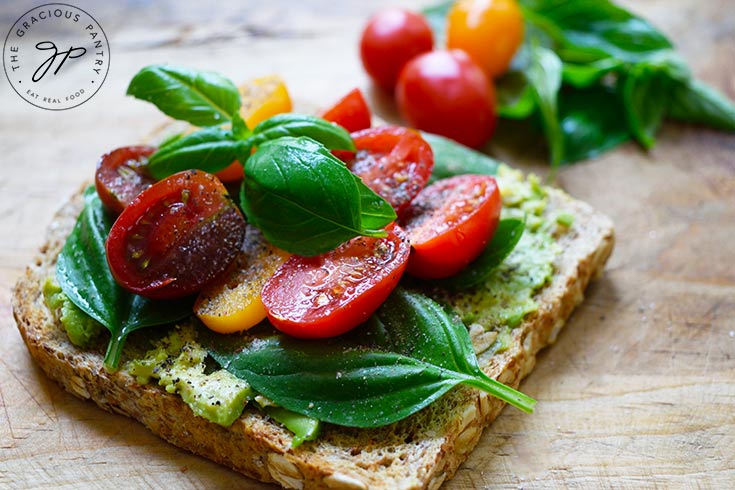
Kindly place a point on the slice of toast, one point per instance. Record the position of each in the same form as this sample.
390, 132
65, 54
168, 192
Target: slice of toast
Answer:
422, 451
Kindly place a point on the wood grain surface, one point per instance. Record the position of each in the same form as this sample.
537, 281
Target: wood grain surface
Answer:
638, 392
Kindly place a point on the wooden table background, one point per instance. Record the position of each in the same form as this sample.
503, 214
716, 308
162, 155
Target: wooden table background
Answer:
638, 392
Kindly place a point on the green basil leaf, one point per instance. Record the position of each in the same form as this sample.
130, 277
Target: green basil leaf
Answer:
585, 75
506, 237
544, 76
436, 16
588, 30
304, 199
340, 382
375, 211
209, 149
198, 97
331, 135
592, 120
239, 127
452, 158
304, 428
515, 96
85, 278
695, 101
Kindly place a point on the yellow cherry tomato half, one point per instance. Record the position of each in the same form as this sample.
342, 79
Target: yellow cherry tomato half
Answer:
232, 303
490, 31
261, 98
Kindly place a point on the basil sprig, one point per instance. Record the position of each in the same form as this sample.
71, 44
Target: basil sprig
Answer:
595, 75
410, 354
306, 200
302, 198
452, 158
84, 276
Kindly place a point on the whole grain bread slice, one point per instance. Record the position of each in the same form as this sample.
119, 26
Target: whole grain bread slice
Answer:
422, 451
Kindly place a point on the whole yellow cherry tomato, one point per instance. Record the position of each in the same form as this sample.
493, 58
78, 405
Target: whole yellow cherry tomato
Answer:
490, 31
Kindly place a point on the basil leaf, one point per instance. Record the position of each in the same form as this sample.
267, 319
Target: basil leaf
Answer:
375, 211
515, 96
452, 158
585, 75
544, 77
419, 353
506, 237
695, 101
588, 30
305, 200
85, 278
210, 149
592, 120
304, 428
198, 97
239, 127
331, 135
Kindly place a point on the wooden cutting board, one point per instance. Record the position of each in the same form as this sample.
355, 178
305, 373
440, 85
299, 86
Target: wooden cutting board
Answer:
638, 392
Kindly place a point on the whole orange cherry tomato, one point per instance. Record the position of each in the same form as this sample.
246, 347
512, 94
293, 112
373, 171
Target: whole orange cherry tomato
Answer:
490, 31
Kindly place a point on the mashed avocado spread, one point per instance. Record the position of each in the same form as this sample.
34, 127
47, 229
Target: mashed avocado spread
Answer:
178, 362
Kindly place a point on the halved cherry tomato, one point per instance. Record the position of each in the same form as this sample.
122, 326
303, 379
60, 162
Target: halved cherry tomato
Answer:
261, 98
446, 93
449, 223
390, 39
175, 237
327, 295
121, 176
393, 161
490, 31
351, 112
232, 303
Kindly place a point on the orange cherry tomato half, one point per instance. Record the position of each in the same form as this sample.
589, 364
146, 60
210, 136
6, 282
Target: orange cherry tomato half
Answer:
351, 112
446, 93
450, 223
390, 39
175, 237
327, 295
490, 31
121, 176
393, 161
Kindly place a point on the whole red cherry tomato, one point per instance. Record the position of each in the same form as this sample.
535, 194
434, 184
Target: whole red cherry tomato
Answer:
391, 38
446, 93
327, 295
121, 176
449, 223
175, 237
393, 161
351, 112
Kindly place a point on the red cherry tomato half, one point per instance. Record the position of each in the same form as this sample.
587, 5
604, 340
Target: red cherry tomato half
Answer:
393, 161
175, 237
446, 93
449, 223
391, 38
121, 176
327, 295
351, 112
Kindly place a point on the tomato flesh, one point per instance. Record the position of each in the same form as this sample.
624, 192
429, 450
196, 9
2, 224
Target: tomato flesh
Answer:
450, 223
394, 162
327, 295
175, 237
121, 176
390, 39
351, 112
446, 93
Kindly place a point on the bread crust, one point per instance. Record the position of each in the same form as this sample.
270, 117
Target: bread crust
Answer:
420, 452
